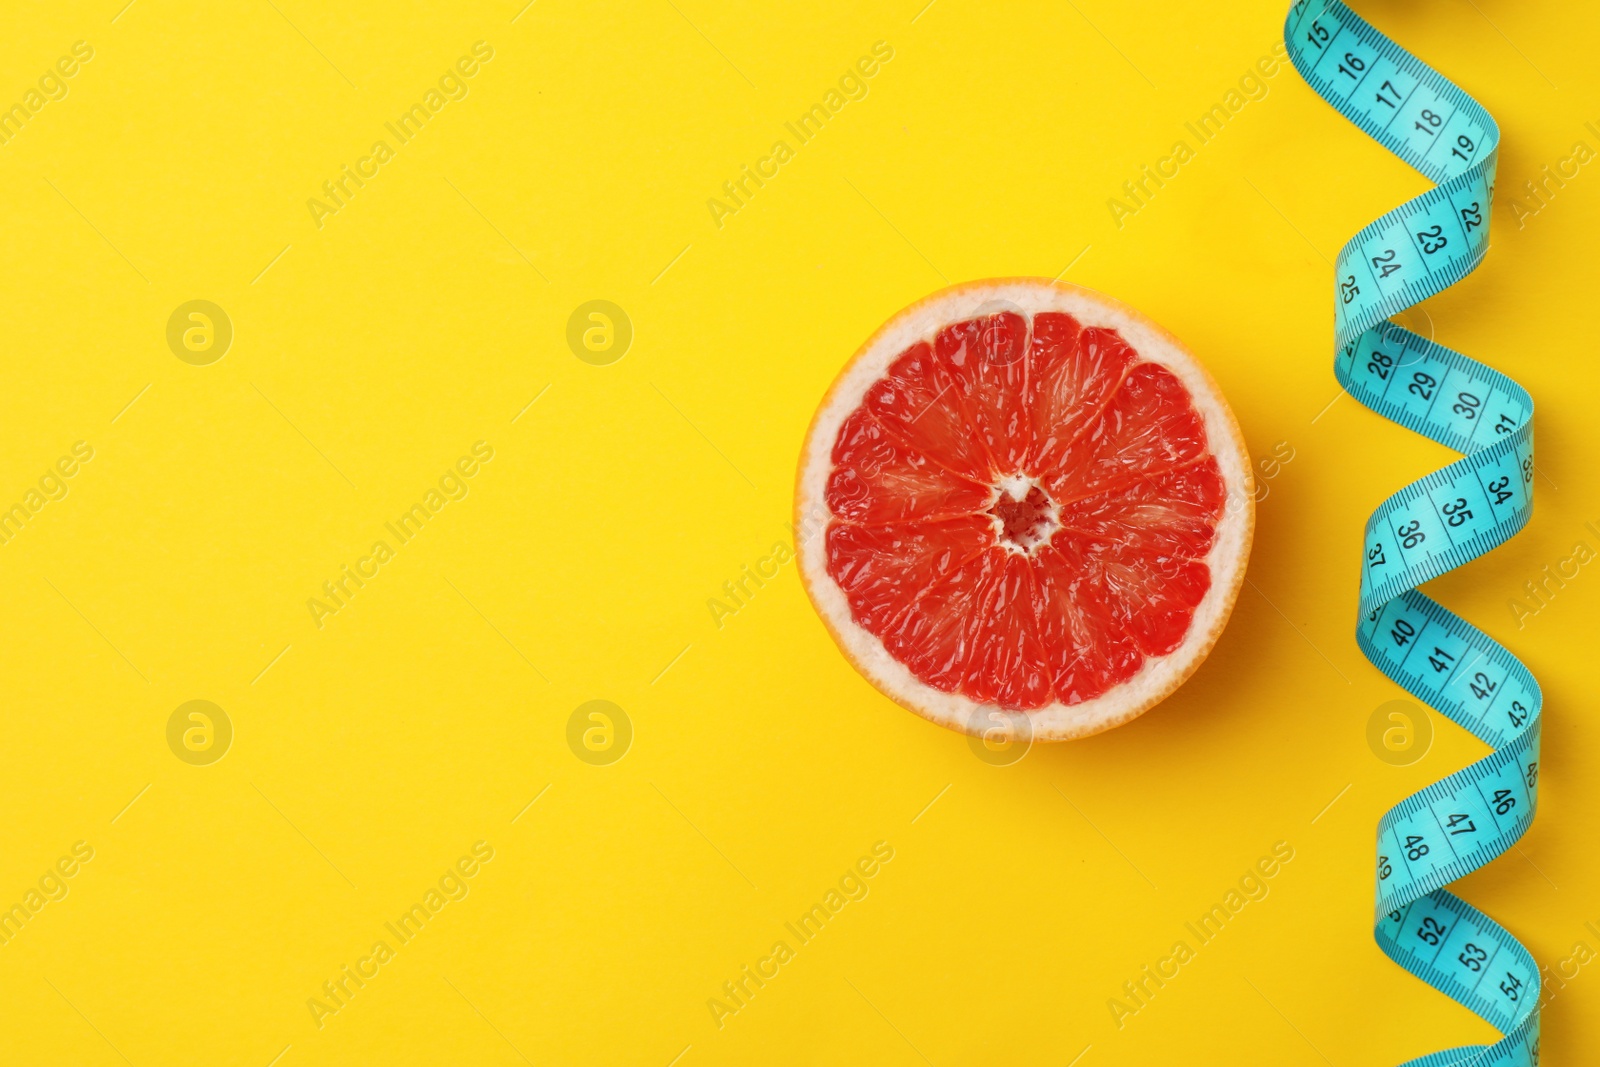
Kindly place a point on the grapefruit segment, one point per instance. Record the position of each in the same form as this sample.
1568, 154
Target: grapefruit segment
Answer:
1006, 664
1075, 373
1147, 427
1170, 513
1033, 500
877, 479
985, 357
883, 569
919, 403
1088, 647
1159, 597
934, 639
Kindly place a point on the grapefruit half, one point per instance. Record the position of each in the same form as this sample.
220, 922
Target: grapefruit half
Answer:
1023, 499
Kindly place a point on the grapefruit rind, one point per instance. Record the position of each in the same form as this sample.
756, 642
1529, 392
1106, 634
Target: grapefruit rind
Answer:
1160, 675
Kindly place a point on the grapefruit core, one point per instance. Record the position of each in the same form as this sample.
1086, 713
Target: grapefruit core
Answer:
1028, 502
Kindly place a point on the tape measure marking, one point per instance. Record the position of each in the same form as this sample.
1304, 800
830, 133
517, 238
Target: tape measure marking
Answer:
1437, 523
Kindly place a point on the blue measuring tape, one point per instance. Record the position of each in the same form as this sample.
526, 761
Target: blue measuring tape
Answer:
1434, 525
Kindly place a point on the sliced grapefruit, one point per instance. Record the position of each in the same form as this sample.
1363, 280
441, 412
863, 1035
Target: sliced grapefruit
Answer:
1024, 498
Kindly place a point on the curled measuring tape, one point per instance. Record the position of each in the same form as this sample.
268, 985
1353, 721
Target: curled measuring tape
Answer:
1434, 525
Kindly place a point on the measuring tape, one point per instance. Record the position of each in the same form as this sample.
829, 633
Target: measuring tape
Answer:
1434, 525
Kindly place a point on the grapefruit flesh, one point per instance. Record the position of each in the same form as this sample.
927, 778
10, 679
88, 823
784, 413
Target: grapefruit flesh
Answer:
1024, 496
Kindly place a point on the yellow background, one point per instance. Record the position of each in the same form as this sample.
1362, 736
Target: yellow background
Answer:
425, 315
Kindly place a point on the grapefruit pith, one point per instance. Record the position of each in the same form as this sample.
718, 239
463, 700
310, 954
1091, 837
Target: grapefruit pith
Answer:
1028, 499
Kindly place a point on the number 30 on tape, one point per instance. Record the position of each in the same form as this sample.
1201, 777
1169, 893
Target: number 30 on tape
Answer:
1434, 525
